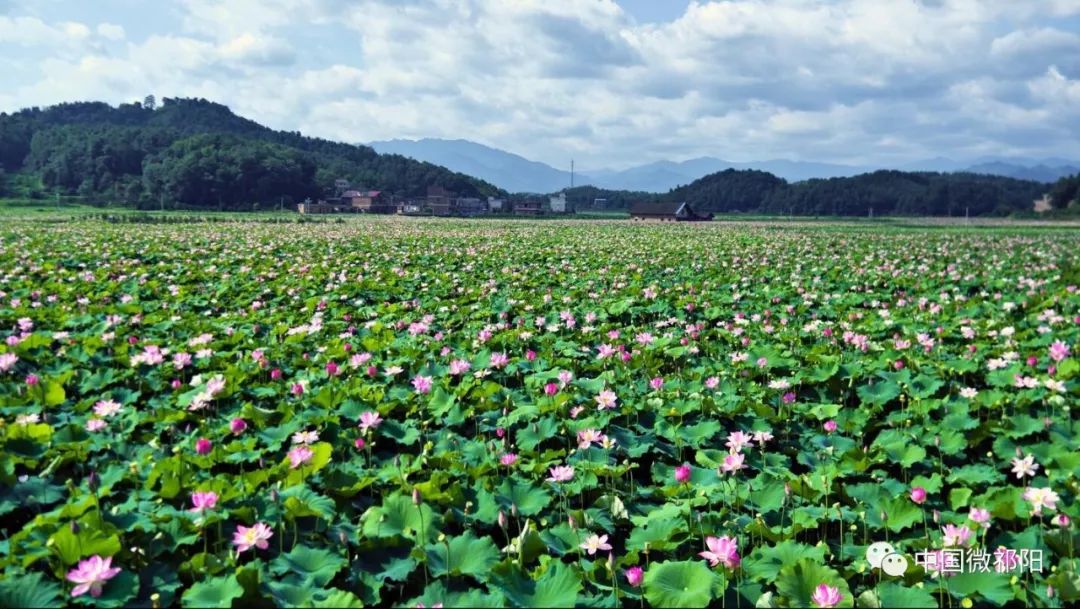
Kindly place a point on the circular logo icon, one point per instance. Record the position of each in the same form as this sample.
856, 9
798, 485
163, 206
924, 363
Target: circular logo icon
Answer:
894, 564
877, 552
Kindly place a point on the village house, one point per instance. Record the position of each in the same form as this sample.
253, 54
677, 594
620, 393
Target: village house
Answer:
369, 201
528, 207
666, 212
438, 200
307, 206
468, 206
558, 203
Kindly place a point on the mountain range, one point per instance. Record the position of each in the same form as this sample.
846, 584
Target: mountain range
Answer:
515, 173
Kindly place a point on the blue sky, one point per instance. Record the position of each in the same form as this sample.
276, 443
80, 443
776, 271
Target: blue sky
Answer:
608, 83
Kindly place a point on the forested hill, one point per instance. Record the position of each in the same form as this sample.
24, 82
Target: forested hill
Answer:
879, 192
196, 153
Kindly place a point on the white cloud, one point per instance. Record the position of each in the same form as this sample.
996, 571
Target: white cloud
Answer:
858, 80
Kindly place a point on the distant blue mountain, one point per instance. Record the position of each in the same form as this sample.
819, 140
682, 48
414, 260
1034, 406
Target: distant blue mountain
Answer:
506, 170
518, 174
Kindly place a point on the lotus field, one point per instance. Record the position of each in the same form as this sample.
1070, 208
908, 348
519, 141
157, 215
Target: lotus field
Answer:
428, 413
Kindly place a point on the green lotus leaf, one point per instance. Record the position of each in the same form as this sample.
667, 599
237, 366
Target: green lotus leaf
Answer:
679, 584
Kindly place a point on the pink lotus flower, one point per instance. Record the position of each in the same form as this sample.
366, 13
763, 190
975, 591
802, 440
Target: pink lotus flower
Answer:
359, 443
918, 495
32, 379
956, 536
530, 355
203, 501
826, 596
297, 389
237, 426
275, 374
634, 575
712, 382
498, 360
682, 473
422, 384
656, 383
332, 369
551, 389
979, 515
91, 575
1059, 351
560, 473
830, 426
722, 550
586, 437
733, 462
508, 459
255, 536
93, 425
736, 440
594, 543
299, 455
369, 420
1061, 520
203, 446
7, 361
459, 366
1040, 498
1024, 467
606, 399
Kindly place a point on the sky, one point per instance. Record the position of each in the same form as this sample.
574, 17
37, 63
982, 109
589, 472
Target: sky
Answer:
607, 83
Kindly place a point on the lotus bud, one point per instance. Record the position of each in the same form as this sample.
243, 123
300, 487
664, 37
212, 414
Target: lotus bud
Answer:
274, 496
92, 481
342, 537
416, 496
502, 519
937, 516
203, 446
513, 510
610, 562
75, 527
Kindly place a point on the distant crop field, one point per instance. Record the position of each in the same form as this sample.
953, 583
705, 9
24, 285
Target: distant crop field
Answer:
432, 412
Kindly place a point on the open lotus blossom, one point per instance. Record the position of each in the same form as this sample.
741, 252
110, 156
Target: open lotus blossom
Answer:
762, 436
594, 543
203, 500
305, 437
459, 366
979, 515
606, 399
1059, 351
422, 384
1040, 498
586, 437
956, 536
560, 473
508, 459
369, 420
7, 361
969, 393
830, 426
721, 550
733, 462
736, 440
93, 425
91, 574
299, 455
106, 408
826, 596
1024, 467
256, 536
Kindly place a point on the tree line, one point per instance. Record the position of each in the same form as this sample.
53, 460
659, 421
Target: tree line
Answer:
192, 153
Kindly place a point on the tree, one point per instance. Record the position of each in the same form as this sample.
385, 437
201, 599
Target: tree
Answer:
149, 102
